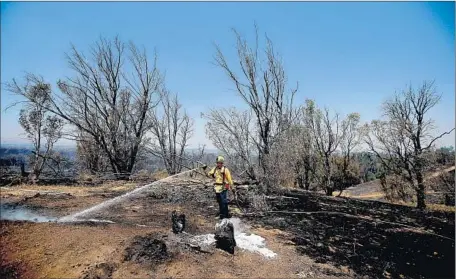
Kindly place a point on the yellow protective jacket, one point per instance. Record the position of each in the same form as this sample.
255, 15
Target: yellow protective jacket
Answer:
222, 177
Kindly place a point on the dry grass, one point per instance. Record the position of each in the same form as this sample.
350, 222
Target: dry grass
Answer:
440, 207
85, 177
80, 190
344, 194
431, 206
372, 195
160, 175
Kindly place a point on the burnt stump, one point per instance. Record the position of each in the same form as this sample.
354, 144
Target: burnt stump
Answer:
178, 221
224, 236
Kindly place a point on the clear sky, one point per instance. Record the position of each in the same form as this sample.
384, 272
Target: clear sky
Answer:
347, 56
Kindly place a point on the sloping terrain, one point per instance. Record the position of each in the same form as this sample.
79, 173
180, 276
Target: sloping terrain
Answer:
313, 236
372, 189
374, 239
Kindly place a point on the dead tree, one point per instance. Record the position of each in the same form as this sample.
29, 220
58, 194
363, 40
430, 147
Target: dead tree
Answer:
41, 127
445, 156
60, 166
327, 133
104, 101
196, 157
403, 139
307, 163
89, 156
350, 140
263, 87
172, 128
284, 158
230, 131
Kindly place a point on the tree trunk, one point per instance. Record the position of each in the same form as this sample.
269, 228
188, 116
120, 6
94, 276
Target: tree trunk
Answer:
329, 191
299, 181
307, 179
341, 189
36, 169
420, 193
122, 171
251, 173
33, 177
328, 186
23, 172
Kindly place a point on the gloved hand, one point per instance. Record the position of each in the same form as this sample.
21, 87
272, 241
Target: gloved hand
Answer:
234, 191
204, 167
227, 186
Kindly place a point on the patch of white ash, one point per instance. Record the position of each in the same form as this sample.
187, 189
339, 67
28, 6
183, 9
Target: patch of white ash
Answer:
244, 240
204, 239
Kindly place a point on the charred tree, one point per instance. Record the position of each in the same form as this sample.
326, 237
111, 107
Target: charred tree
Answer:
103, 100
327, 133
41, 127
404, 138
261, 82
224, 236
171, 129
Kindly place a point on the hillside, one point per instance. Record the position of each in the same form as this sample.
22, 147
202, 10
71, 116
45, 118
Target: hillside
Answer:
313, 236
372, 189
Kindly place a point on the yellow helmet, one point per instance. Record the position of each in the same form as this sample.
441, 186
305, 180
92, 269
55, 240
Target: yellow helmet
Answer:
220, 159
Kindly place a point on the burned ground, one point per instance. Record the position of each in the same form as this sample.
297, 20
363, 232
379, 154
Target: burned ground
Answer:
314, 236
374, 239
147, 250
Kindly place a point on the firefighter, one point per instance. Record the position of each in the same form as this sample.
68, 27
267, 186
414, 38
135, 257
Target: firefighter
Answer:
223, 183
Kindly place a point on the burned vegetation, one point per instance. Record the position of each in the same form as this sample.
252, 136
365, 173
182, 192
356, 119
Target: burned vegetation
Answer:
374, 239
147, 250
119, 120
371, 239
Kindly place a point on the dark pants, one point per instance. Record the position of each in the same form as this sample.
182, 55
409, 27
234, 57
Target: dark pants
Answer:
223, 204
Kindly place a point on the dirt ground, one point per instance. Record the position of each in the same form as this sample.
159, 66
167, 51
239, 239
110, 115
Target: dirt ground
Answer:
97, 250
330, 245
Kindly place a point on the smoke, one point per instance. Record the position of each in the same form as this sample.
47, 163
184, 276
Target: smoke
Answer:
18, 213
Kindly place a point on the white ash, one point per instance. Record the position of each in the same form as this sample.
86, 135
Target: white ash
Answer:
244, 240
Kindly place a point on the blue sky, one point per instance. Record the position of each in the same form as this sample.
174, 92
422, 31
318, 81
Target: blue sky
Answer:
347, 56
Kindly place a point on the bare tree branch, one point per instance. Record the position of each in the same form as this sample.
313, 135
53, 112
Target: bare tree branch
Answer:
100, 101
327, 134
437, 138
172, 128
263, 87
401, 142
